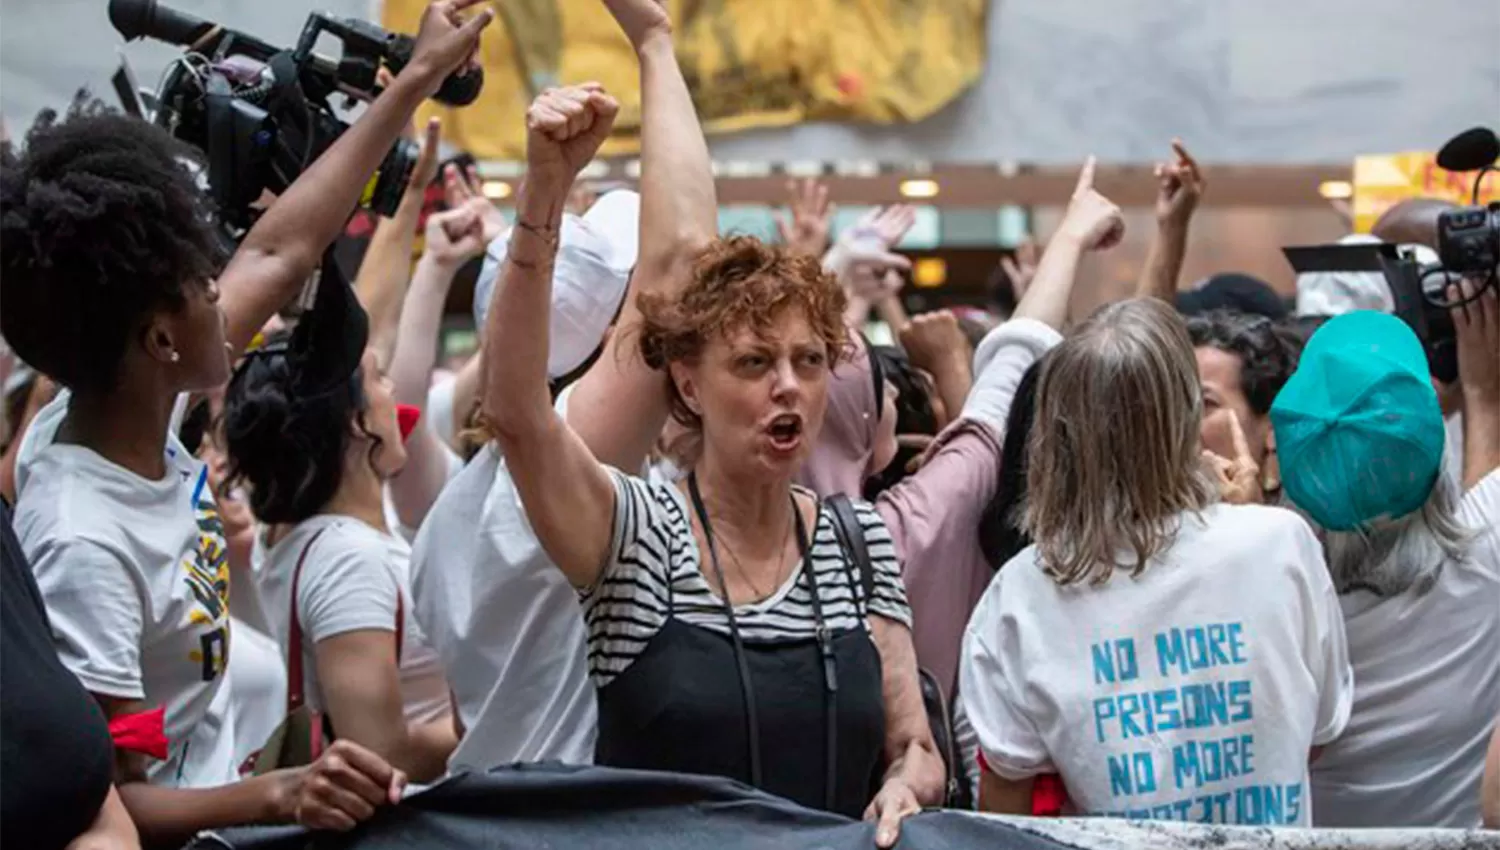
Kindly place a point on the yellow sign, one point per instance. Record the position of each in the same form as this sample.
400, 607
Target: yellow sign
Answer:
1383, 180
748, 63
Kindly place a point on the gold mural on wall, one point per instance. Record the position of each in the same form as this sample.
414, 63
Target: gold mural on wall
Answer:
748, 63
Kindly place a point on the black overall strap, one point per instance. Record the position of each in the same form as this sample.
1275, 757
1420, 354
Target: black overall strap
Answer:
825, 647
747, 690
830, 668
851, 535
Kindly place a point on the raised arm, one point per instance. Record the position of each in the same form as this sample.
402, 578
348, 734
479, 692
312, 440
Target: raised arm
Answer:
1477, 326
1092, 223
1180, 185
284, 247
453, 238
620, 405
568, 496
386, 268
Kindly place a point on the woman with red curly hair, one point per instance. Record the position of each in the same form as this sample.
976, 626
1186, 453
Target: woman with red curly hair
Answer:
728, 633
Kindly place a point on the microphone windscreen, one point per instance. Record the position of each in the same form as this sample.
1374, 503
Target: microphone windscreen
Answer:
1470, 150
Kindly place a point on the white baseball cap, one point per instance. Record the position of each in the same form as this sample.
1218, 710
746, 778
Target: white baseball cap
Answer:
1336, 293
595, 255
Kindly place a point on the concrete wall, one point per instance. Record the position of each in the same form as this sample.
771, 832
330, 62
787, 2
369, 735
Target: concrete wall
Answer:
1243, 80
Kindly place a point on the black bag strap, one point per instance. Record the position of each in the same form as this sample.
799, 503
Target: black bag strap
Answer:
851, 537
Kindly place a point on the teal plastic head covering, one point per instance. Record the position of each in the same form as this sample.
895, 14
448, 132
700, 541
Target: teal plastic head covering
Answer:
1358, 428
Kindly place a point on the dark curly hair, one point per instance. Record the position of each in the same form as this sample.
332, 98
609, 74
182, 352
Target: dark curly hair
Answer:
1267, 355
289, 448
739, 282
914, 413
101, 226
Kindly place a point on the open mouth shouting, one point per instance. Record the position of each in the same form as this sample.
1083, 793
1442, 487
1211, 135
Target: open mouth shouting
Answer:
785, 432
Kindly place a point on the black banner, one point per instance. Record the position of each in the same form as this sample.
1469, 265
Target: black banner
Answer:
552, 806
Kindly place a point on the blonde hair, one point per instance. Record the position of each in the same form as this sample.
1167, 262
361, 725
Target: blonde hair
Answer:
1114, 457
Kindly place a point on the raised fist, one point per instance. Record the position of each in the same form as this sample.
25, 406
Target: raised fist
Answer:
564, 129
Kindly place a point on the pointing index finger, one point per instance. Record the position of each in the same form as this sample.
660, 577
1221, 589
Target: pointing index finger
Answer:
1183, 156
1237, 434
1086, 176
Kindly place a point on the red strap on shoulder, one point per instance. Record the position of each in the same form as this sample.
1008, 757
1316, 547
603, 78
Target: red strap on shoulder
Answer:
400, 623
294, 695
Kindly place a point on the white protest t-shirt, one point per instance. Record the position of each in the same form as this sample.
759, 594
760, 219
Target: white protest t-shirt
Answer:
135, 576
349, 583
1190, 693
1426, 691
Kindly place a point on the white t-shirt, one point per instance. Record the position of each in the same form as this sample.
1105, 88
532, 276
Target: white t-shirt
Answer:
1192, 692
257, 686
135, 576
507, 624
349, 583
1427, 689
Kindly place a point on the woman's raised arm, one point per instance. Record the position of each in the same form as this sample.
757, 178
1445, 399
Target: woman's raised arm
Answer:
568, 496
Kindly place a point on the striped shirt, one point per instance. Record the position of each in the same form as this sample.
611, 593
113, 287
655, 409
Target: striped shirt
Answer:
654, 559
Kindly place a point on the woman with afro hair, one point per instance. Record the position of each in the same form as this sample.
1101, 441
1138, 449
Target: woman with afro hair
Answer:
115, 286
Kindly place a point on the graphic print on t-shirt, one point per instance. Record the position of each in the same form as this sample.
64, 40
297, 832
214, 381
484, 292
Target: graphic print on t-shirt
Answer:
1174, 717
206, 573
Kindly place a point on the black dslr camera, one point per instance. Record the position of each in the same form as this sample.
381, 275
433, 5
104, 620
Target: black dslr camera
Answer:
262, 114
1469, 237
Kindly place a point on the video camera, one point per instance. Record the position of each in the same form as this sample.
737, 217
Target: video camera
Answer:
1469, 237
1468, 247
262, 114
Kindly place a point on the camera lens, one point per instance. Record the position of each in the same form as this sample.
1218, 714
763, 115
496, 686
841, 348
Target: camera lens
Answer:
383, 193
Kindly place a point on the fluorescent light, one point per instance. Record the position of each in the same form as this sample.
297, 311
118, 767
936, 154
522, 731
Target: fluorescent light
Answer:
1336, 190
803, 168
919, 188
496, 190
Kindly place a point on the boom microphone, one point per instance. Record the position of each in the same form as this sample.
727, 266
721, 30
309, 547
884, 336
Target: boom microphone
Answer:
1470, 150
135, 19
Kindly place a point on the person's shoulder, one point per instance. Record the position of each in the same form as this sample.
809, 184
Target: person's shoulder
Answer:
54, 541
65, 498
1264, 522
1480, 505
1015, 589
341, 534
660, 496
1023, 572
